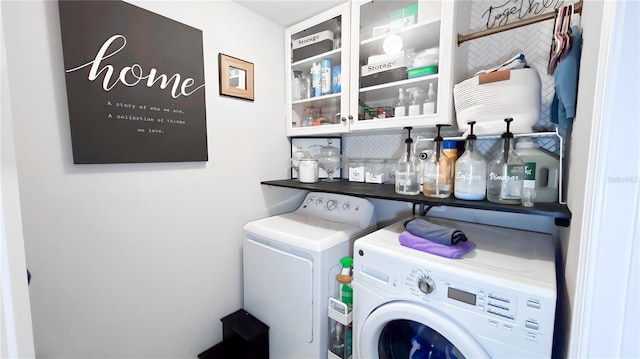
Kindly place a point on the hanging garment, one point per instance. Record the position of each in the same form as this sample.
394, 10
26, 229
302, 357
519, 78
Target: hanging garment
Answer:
563, 106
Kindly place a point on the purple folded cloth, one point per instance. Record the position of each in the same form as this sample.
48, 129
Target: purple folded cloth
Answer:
454, 251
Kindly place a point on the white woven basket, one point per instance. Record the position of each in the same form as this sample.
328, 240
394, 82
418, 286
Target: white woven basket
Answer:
489, 104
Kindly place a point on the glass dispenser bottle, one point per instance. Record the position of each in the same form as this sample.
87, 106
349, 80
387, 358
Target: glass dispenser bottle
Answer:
407, 169
470, 180
506, 172
436, 171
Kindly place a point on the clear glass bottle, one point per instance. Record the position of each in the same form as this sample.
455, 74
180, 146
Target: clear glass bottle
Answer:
505, 173
337, 35
400, 108
297, 86
308, 88
407, 170
338, 339
436, 171
429, 106
470, 180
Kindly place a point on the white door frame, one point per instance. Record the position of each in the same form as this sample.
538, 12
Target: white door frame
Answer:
605, 315
16, 332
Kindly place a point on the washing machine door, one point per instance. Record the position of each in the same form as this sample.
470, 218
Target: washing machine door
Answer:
407, 330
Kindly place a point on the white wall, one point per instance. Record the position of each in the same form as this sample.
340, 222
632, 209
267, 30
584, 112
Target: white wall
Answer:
141, 260
16, 333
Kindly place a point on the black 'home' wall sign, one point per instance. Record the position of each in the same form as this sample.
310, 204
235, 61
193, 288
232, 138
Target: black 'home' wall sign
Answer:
135, 84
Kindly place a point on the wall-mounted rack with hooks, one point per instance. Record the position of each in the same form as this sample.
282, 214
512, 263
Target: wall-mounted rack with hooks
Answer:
516, 24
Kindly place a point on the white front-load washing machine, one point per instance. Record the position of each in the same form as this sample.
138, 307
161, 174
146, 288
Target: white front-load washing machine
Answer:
290, 262
498, 301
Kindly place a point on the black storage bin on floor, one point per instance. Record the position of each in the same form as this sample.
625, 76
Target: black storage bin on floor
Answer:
244, 336
215, 352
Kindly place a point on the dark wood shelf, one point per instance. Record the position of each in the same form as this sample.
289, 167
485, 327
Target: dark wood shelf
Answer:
559, 211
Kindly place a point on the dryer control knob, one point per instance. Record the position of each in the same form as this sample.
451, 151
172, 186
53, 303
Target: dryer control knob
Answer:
426, 285
331, 205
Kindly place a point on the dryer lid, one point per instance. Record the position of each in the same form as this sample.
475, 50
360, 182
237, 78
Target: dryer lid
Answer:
302, 231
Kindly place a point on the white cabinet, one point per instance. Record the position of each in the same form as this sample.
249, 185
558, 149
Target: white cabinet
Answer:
424, 33
321, 39
389, 42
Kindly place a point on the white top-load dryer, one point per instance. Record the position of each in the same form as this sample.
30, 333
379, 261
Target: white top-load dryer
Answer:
289, 266
498, 301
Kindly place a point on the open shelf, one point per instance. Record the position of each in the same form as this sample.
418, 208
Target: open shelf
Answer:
559, 211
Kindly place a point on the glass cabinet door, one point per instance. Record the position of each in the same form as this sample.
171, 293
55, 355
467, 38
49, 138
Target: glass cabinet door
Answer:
317, 53
401, 59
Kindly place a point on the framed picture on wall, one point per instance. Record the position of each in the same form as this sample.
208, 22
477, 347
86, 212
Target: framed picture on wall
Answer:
236, 77
135, 84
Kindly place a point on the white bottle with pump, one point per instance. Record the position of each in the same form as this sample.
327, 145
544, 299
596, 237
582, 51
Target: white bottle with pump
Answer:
470, 182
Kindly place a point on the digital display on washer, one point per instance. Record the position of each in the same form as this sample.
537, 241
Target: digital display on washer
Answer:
461, 296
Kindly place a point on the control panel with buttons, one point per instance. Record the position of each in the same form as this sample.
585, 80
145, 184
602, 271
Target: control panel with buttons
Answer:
516, 317
337, 207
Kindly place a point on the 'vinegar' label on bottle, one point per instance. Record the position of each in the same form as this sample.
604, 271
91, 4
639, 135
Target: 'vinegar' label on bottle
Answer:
513, 173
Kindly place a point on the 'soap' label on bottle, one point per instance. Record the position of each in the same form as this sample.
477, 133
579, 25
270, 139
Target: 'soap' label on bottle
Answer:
529, 175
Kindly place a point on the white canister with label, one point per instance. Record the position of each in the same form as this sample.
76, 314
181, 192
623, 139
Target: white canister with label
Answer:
374, 171
356, 170
308, 170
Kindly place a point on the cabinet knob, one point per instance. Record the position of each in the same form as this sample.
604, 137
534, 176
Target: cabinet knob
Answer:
344, 119
351, 117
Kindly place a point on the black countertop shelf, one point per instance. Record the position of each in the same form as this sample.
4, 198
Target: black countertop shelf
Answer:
559, 211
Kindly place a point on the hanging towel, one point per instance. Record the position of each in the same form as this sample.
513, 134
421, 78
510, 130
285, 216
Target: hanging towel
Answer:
455, 251
434, 232
563, 105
